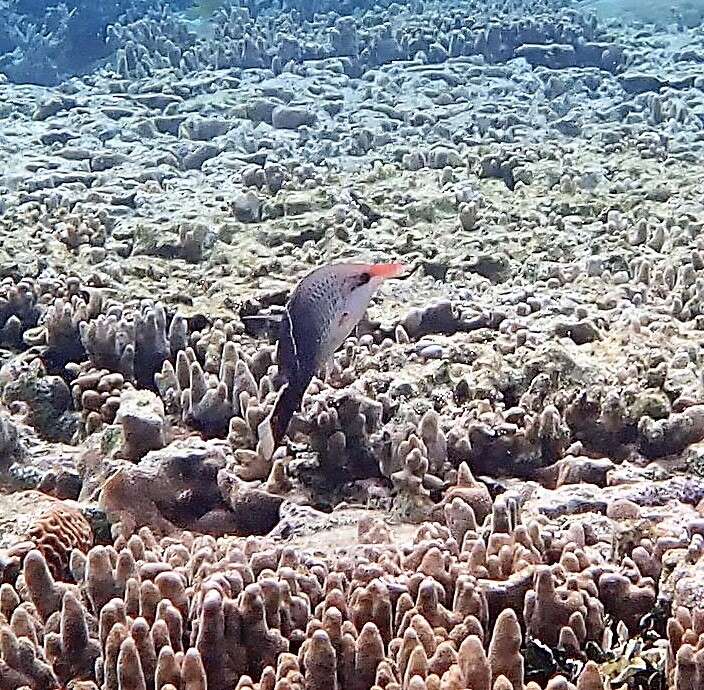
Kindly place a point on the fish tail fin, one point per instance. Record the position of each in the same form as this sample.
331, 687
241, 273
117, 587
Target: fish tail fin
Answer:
289, 400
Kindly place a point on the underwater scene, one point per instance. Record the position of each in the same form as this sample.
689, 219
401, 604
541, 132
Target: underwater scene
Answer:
351, 345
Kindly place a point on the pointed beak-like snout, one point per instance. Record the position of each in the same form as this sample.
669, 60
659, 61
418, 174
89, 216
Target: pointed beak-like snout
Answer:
386, 271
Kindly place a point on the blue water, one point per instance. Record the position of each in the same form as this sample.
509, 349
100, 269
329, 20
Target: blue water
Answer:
46, 42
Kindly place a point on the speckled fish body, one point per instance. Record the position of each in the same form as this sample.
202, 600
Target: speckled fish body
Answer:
322, 311
313, 325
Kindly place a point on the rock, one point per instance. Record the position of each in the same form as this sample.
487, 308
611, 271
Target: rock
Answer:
430, 351
141, 414
246, 207
61, 484
48, 402
576, 470
552, 55
196, 157
169, 124
581, 332
262, 109
635, 82
12, 445
157, 101
118, 113
571, 499
623, 509
297, 203
204, 129
290, 117
568, 126
185, 486
169, 489
52, 106
107, 160
56, 136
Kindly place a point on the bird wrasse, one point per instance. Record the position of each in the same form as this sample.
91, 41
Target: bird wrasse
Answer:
322, 311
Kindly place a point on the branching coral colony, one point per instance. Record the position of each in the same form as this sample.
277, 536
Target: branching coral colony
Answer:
467, 607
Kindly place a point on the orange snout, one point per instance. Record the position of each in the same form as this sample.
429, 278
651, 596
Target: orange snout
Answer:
386, 270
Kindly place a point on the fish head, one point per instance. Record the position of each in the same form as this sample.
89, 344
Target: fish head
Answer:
358, 283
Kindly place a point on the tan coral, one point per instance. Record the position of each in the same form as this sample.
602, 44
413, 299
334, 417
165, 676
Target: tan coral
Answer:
548, 609
504, 650
55, 534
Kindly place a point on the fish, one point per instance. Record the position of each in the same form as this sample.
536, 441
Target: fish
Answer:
322, 311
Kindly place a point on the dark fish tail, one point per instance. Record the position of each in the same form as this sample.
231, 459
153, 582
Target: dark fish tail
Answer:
288, 402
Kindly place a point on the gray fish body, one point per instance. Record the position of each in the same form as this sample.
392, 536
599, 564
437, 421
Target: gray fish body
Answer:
309, 330
322, 311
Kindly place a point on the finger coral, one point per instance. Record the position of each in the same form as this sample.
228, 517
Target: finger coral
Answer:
135, 344
151, 612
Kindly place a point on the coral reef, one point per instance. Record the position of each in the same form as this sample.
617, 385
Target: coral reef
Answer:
242, 611
44, 42
133, 344
496, 483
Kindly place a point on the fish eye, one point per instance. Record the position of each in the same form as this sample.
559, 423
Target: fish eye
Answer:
364, 279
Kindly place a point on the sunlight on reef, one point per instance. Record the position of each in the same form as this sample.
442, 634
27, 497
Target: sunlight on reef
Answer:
496, 482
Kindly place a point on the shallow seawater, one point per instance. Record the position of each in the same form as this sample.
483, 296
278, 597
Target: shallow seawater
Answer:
351, 345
